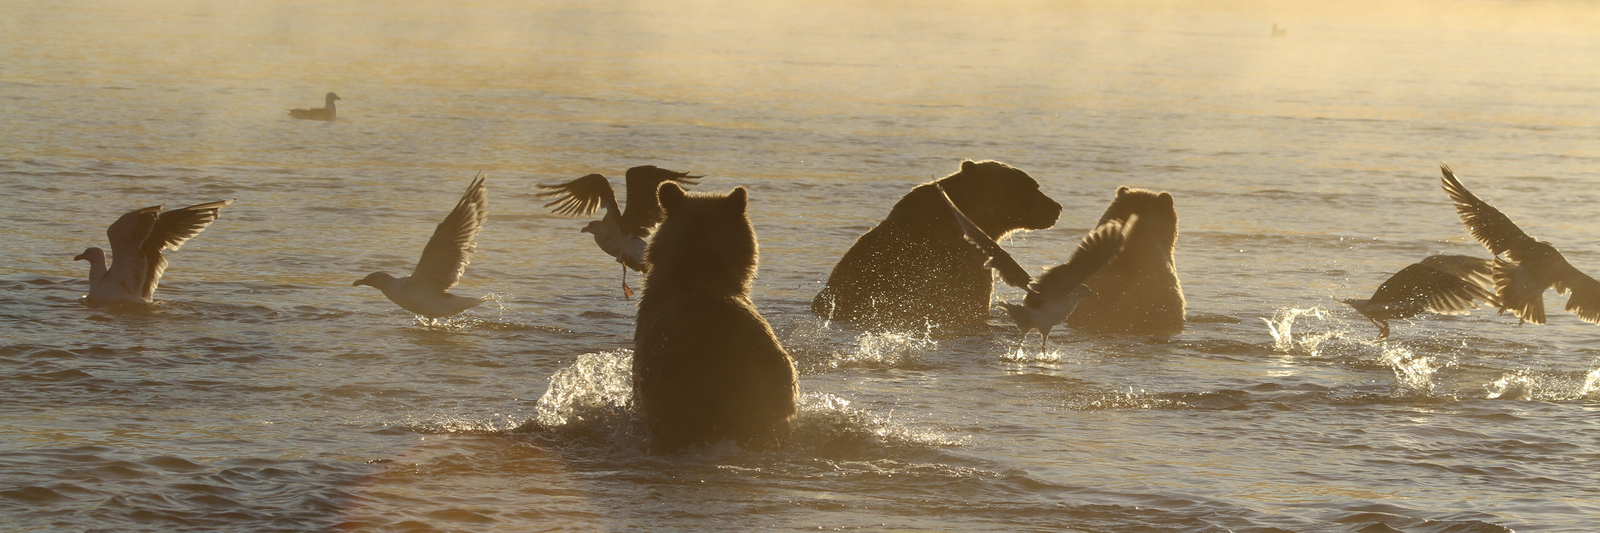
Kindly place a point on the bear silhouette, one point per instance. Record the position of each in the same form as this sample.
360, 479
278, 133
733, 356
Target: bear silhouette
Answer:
706, 365
1138, 292
914, 269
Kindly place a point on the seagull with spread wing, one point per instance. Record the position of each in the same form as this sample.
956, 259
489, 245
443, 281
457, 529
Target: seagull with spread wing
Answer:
1441, 284
621, 233
1529, 267
443, 261
137, 239
1059, 289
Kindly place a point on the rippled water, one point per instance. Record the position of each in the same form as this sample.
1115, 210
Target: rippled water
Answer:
264, 393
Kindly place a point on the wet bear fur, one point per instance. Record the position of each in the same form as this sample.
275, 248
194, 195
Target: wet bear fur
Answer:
1138, 292
706, 365
914, 269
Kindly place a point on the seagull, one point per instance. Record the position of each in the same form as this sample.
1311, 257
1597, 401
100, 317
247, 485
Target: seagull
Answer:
1529, 266
1059, 289
137, 239
443, 261
322, 113
1442, 284
621, 233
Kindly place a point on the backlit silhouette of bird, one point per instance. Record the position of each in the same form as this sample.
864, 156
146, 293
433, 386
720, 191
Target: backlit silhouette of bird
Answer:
1442, 284
1059, 289
1529, 267
137, 239
621, 233
327, 112
443, 261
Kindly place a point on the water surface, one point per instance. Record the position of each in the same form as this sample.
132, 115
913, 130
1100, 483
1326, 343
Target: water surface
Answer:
264, 393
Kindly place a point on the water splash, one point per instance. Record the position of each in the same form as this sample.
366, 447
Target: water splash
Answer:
1025, 353
827, 423
596, 385
1529, 384
1519, 385
1413, 374
887, 349
1281, 326
1130, 399
497, 300
452, 423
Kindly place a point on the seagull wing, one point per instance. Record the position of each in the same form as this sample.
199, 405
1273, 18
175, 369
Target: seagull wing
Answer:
1585, 299
580, 196
1010, 272
1488, 225
1094, 252
1421, 287
1474, 270
450, 249
127, 235
171, 230
644, 208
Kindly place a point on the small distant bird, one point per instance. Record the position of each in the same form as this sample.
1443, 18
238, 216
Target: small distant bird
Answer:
1529, 267
1442, 284
621, 233
137, 239
1059, 289
329, 112
443, 261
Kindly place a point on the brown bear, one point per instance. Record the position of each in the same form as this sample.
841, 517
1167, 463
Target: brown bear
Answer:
706, 365
1138, 292
914, 270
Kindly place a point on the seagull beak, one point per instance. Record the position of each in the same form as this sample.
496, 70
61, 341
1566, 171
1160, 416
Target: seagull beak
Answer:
356, 284
80, 257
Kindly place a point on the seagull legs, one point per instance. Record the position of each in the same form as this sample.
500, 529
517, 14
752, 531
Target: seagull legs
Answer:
627, 292
1383, 327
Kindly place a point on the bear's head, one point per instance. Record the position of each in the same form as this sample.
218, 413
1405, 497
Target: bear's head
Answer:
1000, 198
1156, 211
705, 241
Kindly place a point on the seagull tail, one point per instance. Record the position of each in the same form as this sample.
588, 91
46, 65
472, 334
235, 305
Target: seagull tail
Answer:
1026, 319
1519, 291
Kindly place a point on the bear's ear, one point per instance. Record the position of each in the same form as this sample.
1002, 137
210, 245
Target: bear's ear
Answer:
737, 199
1165, 198
671, 196
967, 165
1122, 190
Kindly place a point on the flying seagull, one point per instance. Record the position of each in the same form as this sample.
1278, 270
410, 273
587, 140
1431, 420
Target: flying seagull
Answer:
1059, 289
1529, 266
322, 113
443, 261
137, 239
1442, 284
621, 233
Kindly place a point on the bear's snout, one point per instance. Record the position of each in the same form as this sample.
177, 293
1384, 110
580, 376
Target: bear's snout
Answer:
1044, 213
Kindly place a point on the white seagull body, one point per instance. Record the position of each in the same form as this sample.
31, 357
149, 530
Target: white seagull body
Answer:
1059, 289
1440, 284
424, 292
137, 239
620, 233
1529, 267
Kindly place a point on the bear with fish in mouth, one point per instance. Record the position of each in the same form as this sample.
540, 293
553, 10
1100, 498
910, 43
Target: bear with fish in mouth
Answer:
706, 365
914, 270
